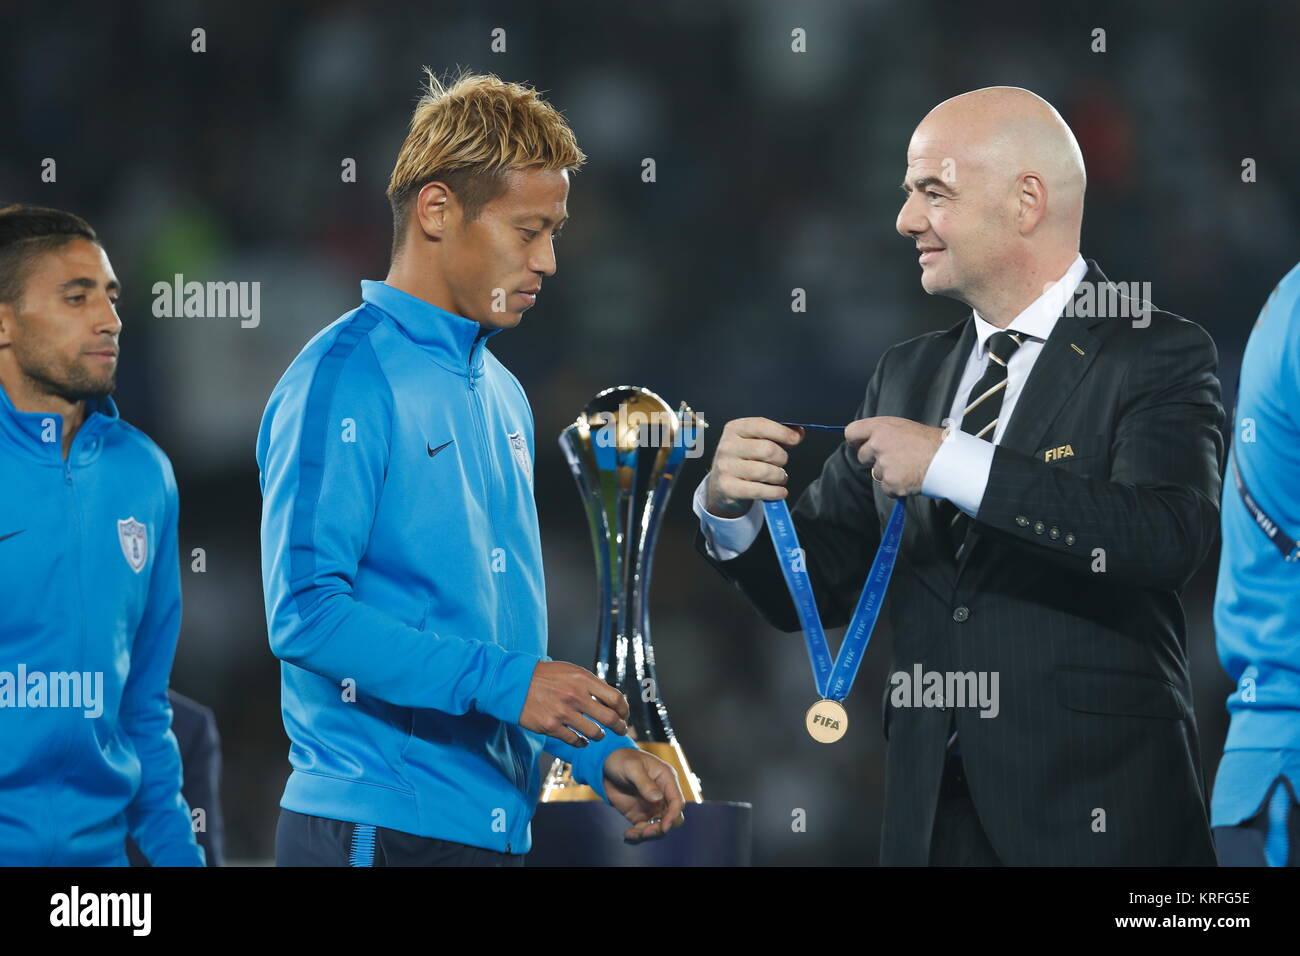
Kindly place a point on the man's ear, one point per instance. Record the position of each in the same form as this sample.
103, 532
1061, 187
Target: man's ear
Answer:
7, 321
434, 210
1031, 195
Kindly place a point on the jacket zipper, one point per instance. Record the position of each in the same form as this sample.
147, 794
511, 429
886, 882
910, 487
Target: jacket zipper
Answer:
492, 475
80, 605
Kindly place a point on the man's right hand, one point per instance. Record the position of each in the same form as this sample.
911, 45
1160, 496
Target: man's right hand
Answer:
560, 701
748, 465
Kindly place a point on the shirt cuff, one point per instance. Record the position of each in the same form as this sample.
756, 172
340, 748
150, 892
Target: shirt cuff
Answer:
727, 538
959, 471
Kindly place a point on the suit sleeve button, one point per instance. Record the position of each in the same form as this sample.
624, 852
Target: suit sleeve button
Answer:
960, 614
1039, 527
1053, 533
1069, 537
1022, 520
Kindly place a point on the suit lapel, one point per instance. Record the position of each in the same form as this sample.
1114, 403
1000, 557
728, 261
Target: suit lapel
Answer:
939, 382
1066, 357
936, 383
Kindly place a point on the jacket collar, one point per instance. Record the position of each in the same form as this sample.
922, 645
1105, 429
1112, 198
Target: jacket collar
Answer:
40, 434
1092, 279
453, 341
1039, 317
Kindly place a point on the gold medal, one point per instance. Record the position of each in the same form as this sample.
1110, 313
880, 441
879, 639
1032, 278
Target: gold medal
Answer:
827, 721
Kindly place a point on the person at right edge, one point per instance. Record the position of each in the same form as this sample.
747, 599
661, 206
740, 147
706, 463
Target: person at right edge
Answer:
1257, 604
1049, 528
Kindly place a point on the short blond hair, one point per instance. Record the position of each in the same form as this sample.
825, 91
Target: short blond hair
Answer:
468, 134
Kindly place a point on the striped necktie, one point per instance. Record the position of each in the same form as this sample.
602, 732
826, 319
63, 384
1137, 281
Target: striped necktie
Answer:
980, 418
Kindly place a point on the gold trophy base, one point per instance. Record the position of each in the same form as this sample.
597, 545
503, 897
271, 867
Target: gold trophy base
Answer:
560, 787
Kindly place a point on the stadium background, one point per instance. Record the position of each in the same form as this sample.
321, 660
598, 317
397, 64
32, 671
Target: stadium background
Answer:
775, 170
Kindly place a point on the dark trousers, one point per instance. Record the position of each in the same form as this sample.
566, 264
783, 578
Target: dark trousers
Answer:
305, 840
1269, 838
958, 839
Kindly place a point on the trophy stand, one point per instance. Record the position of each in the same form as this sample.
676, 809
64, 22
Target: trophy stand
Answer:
625, 450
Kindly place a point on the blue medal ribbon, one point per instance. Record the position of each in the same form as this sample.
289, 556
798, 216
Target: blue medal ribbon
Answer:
833, 682
825, 428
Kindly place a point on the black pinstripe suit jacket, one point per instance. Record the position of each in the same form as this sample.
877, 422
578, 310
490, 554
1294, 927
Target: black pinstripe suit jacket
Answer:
1067, 589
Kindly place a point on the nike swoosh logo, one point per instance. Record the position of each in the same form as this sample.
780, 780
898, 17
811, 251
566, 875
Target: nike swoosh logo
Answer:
433, 451
6, 537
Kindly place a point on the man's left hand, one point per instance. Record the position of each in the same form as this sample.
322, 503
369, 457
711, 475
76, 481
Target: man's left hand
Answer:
645, 790
899, 451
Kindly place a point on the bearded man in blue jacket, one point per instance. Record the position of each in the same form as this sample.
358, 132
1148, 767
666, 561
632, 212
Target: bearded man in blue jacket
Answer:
401, 559
88, 560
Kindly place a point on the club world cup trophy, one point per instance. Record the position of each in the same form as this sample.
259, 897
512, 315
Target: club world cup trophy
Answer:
625, 451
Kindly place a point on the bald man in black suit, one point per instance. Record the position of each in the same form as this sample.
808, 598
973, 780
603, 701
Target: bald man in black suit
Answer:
1059, 451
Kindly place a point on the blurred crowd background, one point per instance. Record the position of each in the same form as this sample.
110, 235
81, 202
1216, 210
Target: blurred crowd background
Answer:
775, 170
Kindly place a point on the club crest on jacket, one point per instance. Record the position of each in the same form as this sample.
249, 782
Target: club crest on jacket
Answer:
135, 542
519, 448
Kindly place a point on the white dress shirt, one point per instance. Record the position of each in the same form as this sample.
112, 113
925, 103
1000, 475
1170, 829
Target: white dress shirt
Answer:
960, 468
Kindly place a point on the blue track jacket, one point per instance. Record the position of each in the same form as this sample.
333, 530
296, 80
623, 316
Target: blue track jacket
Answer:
1257, 602
89, 621
402, 569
